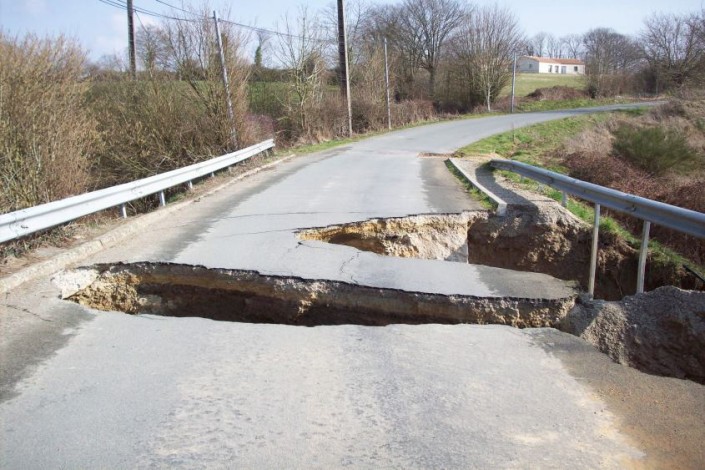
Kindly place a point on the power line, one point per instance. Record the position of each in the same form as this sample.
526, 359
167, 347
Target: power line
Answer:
122, 5
277, 33
252, 28
176, 8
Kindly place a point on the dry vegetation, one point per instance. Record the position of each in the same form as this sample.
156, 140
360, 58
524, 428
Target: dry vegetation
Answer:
67, 126
46, 131
659, 155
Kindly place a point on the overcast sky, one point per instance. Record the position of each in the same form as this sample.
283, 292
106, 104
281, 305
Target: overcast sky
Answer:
101, 28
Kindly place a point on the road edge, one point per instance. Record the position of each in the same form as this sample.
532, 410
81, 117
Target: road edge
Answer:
131, 226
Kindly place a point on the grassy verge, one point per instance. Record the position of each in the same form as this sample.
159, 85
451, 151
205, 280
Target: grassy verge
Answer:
535, 145
528, 82
532, 144
475, 193
328, 144
552, 105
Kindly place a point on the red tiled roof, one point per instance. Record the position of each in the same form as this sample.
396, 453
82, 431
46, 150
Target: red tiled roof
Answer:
556, 61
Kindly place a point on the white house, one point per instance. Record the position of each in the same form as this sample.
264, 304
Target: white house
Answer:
530, 64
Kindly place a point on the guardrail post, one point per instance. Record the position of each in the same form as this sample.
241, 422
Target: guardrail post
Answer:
643, 252
564, 199
593, 252
162, 199
190, 185
213, 175
123, 211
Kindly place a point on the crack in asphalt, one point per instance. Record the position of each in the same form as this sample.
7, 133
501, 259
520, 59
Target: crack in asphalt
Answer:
345, 264
21, 309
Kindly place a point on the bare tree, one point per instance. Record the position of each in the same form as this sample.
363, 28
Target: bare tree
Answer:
193, 54
300, 50
405, 44
537, 44
573, 46
554, 47
433, 21
610, 58
152, 48
674, 47
483, 48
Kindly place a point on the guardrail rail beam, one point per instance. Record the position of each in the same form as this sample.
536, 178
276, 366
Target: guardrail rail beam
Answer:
26, 221
673, 217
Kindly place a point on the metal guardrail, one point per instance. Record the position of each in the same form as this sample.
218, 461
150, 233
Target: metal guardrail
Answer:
26, 221
673, 217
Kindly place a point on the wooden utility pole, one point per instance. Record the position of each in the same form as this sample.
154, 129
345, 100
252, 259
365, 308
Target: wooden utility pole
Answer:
226, 86
514, 79
343, 54
386, 83
131, 38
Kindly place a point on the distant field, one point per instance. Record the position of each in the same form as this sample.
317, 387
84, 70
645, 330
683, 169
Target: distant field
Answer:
528, 82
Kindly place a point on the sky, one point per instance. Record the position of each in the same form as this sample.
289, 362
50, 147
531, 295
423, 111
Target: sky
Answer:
102, 29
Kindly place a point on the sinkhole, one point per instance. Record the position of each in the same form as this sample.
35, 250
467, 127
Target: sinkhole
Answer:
248, 296
660, 332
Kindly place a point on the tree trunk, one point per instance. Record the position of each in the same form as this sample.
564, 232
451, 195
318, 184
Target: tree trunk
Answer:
489, 98
431, 82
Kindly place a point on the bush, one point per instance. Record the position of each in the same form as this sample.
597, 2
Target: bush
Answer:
655, 149
46, 131
152, 127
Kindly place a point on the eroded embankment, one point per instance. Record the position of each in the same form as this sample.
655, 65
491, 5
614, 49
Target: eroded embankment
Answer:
543, 238
247, 296
425, 236
661, 332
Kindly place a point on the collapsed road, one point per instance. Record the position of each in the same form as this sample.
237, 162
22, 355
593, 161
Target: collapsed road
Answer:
85, 386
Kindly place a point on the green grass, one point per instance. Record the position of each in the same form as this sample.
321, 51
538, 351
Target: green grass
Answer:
531, 144
534, 145
476, 194
528, 82
320, 146
586, 212
551, 105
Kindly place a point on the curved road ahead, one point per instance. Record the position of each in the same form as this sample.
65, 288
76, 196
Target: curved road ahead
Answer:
87, 389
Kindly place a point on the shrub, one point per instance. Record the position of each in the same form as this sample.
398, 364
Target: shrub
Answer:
655, 149
45, 130
156, 125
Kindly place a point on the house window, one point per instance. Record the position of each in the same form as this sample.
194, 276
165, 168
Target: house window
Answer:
550, 68
575, 69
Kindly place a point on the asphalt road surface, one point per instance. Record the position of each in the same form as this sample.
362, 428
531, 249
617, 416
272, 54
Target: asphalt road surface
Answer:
88, 389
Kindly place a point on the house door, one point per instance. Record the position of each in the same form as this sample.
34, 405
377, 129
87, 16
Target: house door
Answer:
563, 69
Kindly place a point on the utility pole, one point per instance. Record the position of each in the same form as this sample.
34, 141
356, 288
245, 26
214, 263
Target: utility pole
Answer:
343, 55
514, 79
386, 82
224, 70
131, 38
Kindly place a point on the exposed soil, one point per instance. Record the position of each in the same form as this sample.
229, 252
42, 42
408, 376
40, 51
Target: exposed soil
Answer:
557, 93
593, 156
247, 296
661, 332
542, 238
430, 236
